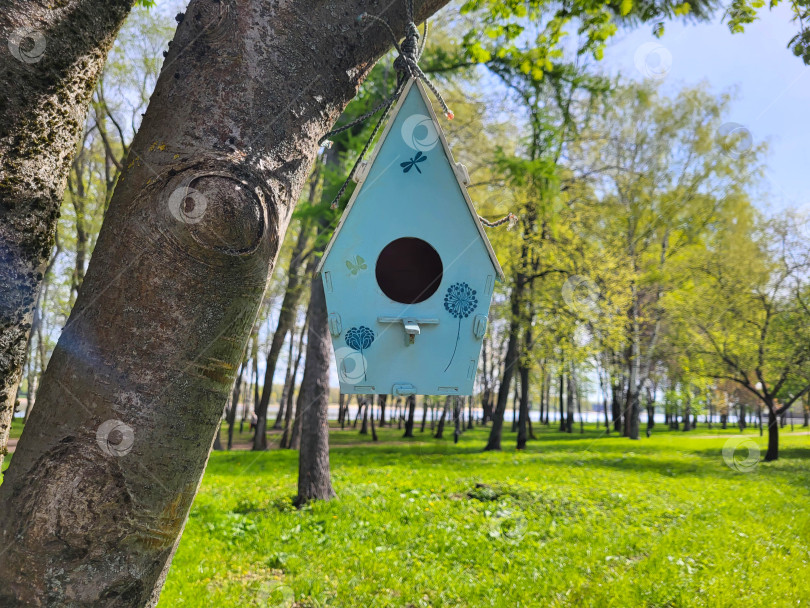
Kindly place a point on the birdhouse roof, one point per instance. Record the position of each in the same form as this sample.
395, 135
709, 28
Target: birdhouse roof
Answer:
457, 172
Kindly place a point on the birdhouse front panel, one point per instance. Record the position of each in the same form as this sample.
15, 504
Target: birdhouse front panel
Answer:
409, 273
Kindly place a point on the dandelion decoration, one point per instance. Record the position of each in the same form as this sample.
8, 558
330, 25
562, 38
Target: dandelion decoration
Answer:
411, 162
360, 338
459, 301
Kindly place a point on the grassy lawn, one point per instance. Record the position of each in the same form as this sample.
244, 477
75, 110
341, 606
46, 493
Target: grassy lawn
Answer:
573, 521
16, 428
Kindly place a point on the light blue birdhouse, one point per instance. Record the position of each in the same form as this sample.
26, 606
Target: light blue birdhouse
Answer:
409, 272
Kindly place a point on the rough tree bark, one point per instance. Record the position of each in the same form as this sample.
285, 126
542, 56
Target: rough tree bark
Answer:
314, 480
99, 489
53, 56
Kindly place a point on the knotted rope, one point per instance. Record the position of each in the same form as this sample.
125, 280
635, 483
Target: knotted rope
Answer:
511, 218
406, 65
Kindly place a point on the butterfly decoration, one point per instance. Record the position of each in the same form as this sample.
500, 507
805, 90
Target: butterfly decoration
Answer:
357, 265
411, 163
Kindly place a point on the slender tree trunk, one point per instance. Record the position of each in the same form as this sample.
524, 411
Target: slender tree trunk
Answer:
52, 56
285, 403
569, 403
458, 413
687, 416
286, 320
510, 361
773, 435
411, 401
341, 411
400, 415
373, 430
381, 401
282, 401
516, 401
440, 428
615, 406
425, 415
314, 479
523, 421
562, 404
237, 391
364, 426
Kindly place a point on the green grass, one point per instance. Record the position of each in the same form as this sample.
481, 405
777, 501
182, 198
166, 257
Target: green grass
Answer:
572, 521
16, 428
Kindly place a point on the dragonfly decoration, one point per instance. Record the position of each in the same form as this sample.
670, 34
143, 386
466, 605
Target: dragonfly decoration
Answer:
411, 163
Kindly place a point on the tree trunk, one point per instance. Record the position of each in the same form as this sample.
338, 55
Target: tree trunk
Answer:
373, 430
381, 401
523, 416
53, 54
569, 403
687, 415
562, 403
409, 421
364, 426
510, 361
247, 90
237, 391
286, 320
773, 435
425, 415
440, 427
615, 407
285, 403
314, 480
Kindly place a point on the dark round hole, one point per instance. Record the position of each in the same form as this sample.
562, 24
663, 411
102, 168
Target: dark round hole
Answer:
409, 270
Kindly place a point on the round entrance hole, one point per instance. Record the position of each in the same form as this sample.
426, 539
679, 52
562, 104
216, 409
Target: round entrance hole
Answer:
409, 270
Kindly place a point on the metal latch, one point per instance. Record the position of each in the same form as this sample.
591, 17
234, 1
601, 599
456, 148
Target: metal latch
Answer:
402, 390
411, 326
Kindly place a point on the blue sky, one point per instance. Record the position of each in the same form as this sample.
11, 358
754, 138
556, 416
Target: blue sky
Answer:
772, 86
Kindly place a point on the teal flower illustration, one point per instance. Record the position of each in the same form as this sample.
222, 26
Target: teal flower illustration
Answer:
360, 338
460, 301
